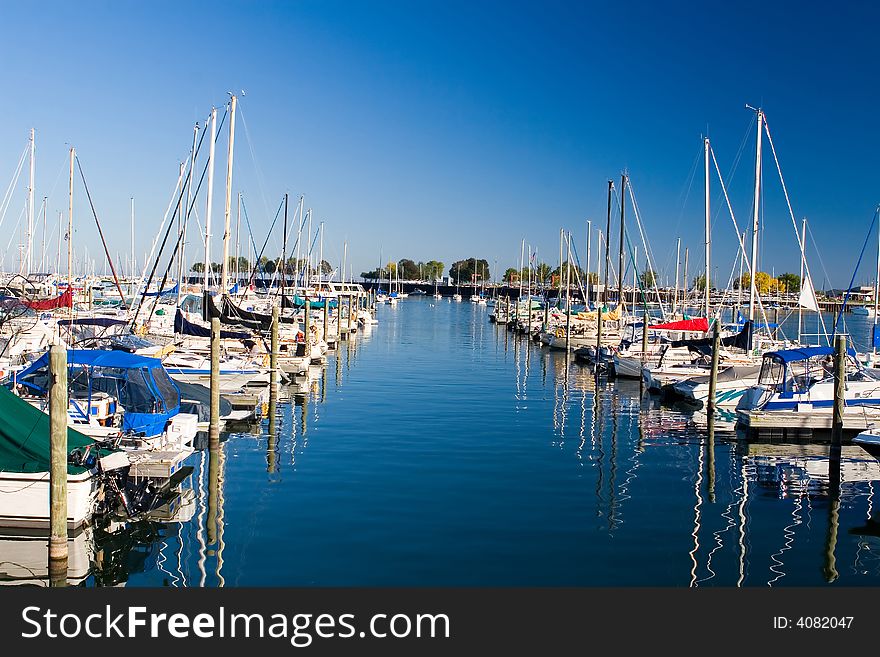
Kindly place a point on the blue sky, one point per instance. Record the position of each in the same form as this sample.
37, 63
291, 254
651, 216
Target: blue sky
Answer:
446, 130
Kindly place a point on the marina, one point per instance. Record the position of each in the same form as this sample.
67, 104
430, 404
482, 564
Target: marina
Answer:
547, 475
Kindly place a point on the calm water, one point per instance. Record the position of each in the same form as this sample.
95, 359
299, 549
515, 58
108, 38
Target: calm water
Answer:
439, 449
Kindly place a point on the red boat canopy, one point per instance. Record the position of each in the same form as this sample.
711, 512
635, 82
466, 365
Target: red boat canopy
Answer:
698, 324
64, 301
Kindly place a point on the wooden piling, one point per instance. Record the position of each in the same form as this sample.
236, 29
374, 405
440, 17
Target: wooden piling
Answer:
214, 424
644, 338
58, 465
598, 335
839, 388
713, 373
351, 311
326, 318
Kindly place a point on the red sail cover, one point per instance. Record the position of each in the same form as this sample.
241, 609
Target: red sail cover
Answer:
697, 324
64, 301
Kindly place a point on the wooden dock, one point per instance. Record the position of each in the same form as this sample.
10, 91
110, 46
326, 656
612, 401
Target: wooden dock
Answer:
855, 418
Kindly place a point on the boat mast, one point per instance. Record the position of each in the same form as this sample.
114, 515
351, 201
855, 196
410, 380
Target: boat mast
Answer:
210, 198
561, 238
587, 263
803, 256
182, 262
70, 228
708, 226
684, 294
237, 238
623, 180
522, 251
30, 227
742, 256
876, 287
321, 257
224, 266
755, 226
677, 268
607, 245
284, 248
43, 249
635, 269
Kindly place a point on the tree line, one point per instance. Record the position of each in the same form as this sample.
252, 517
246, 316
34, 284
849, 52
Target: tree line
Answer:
266, 265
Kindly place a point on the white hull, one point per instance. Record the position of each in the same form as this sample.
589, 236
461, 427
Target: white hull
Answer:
24, 499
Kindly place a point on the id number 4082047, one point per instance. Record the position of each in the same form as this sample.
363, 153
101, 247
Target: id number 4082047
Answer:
813, 622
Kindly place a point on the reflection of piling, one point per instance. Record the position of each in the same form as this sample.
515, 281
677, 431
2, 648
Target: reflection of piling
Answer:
710, 457
273, 373
713, 373
830, 568
213, 493
214, 425
598, 336
58, 466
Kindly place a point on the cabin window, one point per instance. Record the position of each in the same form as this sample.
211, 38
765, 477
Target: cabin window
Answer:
772, 372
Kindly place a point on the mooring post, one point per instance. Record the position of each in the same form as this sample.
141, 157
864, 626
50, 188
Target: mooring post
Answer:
351, 311
713, 374
307, 329
644, 338
58, 465
598, 335
326, 318
214, 424
839, 388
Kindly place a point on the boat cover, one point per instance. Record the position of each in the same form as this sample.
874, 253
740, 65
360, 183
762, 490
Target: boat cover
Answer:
63, 301
184, 326
145, 391
24, 437
700, 324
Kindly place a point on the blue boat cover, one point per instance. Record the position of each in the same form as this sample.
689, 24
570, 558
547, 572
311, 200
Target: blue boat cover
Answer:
790, 355
147, 394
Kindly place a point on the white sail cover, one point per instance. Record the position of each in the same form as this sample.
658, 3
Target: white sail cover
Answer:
807, 298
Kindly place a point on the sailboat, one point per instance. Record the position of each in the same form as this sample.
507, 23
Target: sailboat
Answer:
457, 296
437, 294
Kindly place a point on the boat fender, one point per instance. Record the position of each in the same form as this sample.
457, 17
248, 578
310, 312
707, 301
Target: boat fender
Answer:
560, 332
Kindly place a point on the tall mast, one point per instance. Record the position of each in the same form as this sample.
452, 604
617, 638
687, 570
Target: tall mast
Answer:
284, 248
742, 255
587, 263
182, 262
876, 283
224, 266
321, 256
213, 137
561, 238
755, 216
237, 238
522, 251
30, 227
45, 222
635, 269
677, 267
708, 226
803, 256
622, 237
70, 226
308, 278
607, 245
684, 296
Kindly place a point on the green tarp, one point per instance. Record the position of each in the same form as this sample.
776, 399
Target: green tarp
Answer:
24, 437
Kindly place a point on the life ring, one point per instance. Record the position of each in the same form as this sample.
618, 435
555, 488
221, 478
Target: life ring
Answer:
560, 332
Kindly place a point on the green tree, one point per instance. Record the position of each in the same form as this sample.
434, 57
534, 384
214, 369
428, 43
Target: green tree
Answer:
700, 282
789, 282
433, 269
648, 277
542, 272
216, 267
470, 271
575, 273
198, 267
409, 270
511, 276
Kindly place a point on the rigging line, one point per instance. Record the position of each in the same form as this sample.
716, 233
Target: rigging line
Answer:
101, 234
738, 233
248, 223
791, 212
645, 244
260, 254
182, 185
683, 203
855, 271
259, 170
12, 235
171, 202
7, 197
